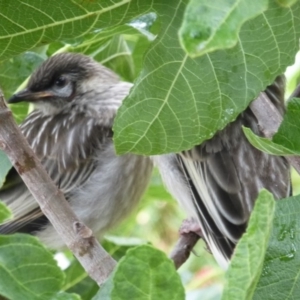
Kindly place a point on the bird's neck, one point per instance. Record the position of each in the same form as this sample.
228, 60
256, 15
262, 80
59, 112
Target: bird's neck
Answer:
47, 109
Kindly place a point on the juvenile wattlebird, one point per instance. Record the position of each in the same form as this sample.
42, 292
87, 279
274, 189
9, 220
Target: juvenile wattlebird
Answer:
70, 131
218, 181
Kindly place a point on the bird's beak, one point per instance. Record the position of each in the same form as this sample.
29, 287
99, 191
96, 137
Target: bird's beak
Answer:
27, 95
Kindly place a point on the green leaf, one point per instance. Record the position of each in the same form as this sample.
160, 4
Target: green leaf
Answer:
285, 141
208, 27
77, 281
266, 145
15, 70
27, 269
144, 273
117, 246
5, 166
66, 296
116, 55
5, 212
178, 102
280, 278
289, 129
91, 45
27, 24
286, 3
13, 73
119, 48
74, 274
247, 262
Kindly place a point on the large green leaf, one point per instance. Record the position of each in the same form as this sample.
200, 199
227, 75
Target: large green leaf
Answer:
247, 262
178, 102
208, 27
280, 277
144, 273
30, 23
28, 270
286, 141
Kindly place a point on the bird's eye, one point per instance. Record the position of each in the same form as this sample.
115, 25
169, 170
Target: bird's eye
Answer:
61, 81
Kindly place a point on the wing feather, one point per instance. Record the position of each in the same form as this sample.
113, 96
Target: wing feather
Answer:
224, 176
67, 155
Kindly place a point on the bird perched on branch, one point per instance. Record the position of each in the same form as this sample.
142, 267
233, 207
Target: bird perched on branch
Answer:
70, 131
218, 181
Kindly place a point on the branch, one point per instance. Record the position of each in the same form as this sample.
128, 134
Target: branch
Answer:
269, 120
190, 233
78, 237
183, 248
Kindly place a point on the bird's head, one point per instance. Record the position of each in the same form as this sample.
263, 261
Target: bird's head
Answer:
64, 79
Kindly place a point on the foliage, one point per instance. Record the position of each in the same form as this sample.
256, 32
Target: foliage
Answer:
248, 258
34, 275
178, 101
143, 273
285, 141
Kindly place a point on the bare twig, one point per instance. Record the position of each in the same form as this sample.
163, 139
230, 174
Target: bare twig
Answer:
183, 248
190, 233
78, 237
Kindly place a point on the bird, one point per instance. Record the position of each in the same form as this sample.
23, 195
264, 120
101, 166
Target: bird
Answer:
70, 130
218, 181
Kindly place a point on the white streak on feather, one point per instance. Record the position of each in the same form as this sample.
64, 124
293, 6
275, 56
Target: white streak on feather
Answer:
197, 177
82, 151
178, 187
27, 132
70, 140
89, 125
45, 147
63, 160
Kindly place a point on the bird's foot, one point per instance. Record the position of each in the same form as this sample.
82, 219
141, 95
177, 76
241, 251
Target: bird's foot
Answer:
191, 225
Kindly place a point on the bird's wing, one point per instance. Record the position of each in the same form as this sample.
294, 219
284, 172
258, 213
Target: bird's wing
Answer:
224, 176
66, 147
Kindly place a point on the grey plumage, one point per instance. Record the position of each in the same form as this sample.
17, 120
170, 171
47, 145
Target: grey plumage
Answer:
71, 133
218, 181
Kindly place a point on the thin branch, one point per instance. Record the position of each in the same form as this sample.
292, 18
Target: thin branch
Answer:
78, 237
190, 233
269, 120
183, 248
